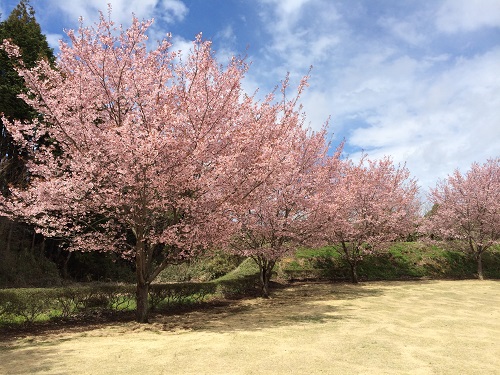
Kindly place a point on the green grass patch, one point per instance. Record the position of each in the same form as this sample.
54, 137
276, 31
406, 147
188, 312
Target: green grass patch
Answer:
243, 280
400, 261
24, 306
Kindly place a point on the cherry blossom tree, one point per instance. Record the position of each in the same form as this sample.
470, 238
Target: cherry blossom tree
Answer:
467, 208
281, 211
368, 204
141, 147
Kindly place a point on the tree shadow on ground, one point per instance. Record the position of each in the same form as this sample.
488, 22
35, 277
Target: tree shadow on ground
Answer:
290, 304
301, 303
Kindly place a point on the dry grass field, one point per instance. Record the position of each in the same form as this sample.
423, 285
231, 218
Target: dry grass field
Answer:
426, 327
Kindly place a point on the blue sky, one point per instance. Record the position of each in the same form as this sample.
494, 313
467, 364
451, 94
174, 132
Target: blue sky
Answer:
417, 80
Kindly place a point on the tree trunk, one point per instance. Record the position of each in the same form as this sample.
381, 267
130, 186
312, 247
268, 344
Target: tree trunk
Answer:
266, 270
9, 237
142, 288
141, 297
64, 269
33, 240
42, 248
480, 266
264, 282
352, 260
354, 272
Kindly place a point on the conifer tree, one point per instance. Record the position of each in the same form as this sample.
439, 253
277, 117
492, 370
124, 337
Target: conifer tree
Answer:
22, 28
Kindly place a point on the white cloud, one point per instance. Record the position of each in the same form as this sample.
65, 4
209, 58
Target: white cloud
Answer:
181, 46
301, 33
53, 40
389, 83
438, 123
122, 10
287, 7
173, 10
467, 15
227, 35
164, 11
406, 30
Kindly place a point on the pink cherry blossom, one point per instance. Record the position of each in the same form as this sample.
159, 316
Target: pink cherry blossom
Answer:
143, 153
467, 208
367, 204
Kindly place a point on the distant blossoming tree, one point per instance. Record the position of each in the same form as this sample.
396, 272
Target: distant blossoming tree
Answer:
143, 152
281, 212
467, 207
367, 204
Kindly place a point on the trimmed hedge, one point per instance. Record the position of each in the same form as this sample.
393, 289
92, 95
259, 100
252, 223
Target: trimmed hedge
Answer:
28, 304
244, 285
179, 293
25, 305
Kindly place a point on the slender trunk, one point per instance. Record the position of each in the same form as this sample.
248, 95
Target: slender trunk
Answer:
264, 283
480, 266
142, 288
141, 296
20, 246
353, 263
33, 239
9, 237
42, 248
354, 272
64, 270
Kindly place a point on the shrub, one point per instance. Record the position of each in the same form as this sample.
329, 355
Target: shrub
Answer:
199, 270
27, 303
30, 304
180, 293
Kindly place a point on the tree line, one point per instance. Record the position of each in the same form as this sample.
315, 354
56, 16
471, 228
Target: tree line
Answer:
135, 151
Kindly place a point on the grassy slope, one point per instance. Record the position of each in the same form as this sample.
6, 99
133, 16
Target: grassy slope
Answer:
404, 260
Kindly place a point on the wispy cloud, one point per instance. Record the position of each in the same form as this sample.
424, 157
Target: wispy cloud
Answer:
437, 121
415, 80
300, 32
465, 15
391, 85
405, 30
167, 10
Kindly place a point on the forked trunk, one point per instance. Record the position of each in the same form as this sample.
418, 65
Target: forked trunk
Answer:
353, 262
266, 270
141, 297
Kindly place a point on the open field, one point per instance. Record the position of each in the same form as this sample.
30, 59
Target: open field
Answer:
426, 327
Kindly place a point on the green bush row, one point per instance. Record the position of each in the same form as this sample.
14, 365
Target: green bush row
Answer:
25, 305
179, 294
29, 304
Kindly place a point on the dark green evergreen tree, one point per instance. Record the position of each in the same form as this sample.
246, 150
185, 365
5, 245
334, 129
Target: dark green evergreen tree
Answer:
17, 239
23, 30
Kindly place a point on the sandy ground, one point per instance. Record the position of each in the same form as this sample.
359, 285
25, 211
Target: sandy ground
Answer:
427, 327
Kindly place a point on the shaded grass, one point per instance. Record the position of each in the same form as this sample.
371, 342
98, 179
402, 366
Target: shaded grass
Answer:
426, 327
23, 307
402, 260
